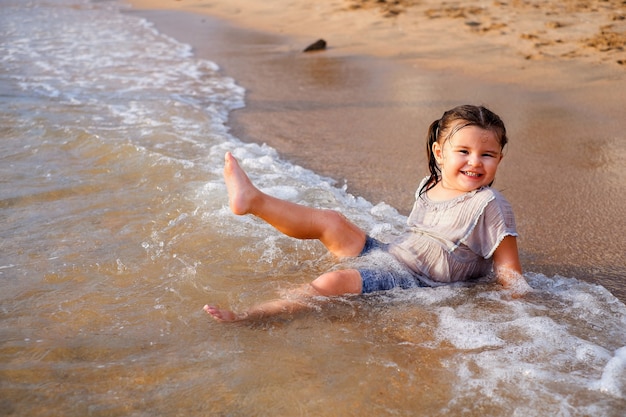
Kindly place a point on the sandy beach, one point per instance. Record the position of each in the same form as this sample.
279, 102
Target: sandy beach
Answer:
358, 111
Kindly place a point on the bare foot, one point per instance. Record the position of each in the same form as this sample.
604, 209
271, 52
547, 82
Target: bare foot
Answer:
221, 315
241, 191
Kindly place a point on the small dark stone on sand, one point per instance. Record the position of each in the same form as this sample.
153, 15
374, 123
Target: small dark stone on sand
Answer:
318, 45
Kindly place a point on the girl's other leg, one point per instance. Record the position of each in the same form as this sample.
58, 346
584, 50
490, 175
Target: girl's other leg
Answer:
342, 282
337, 233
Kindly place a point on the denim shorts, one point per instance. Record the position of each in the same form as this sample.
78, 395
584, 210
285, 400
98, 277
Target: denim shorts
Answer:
390, 274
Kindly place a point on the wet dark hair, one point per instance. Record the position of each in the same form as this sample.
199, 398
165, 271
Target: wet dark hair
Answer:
443, 129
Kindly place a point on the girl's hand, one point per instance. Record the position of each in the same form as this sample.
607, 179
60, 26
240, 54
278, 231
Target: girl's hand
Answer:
508, 269
513, 281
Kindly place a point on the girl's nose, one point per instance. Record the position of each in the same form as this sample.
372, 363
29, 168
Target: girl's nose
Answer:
474, 161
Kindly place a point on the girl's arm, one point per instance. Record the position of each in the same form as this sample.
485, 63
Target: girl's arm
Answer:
508, 269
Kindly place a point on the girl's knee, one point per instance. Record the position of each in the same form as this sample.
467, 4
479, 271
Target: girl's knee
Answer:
341, 236
333, 219
347, 281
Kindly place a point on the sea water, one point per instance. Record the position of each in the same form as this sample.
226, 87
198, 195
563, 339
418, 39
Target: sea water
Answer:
116, 231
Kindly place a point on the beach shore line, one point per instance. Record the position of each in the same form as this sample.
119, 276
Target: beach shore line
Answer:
358, 111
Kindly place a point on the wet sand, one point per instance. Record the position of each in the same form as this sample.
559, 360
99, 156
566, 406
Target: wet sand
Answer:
358, 111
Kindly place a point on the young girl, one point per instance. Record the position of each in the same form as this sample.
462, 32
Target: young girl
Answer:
460, 229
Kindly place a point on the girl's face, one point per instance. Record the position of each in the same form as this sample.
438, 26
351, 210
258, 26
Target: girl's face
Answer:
468, 160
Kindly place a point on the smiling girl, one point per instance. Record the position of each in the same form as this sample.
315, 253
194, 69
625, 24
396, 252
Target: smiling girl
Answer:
460, 229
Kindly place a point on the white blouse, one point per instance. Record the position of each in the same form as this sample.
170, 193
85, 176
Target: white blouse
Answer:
454, 240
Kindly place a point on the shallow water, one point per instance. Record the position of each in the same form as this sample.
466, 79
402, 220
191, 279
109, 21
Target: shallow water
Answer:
116, 232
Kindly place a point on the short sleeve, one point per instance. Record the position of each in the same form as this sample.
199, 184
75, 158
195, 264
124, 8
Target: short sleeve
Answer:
496, 222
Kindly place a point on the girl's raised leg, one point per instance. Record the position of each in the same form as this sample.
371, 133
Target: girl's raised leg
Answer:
337, 233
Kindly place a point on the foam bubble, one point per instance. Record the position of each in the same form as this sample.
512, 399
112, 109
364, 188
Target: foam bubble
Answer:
282, 192
466, 334
613, 380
